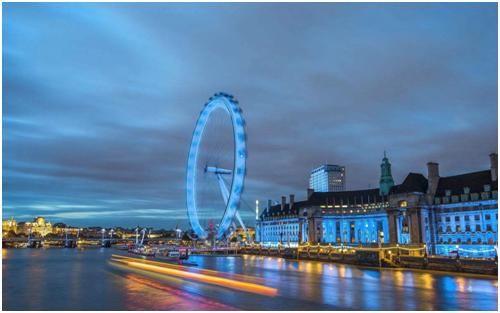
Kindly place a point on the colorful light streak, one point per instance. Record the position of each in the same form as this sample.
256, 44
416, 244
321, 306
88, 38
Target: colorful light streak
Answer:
167, 269
246, 278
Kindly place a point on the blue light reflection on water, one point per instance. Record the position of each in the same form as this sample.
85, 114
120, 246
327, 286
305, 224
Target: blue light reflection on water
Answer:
74, 279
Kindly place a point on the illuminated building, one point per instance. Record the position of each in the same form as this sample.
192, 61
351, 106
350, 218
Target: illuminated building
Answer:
9, 226
242, 235
39, 226
327, 178
59, 228
444, 213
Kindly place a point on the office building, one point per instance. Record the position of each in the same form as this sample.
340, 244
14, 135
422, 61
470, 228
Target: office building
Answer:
327, 178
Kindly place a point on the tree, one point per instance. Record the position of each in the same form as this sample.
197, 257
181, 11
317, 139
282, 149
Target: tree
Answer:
11, 234
185, 237
36, 234
52, 236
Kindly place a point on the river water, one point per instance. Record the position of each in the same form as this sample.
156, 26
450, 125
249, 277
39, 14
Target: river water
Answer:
86, 279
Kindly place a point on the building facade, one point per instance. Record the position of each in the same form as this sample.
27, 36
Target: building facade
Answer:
9, 226
446, 214
38, 226
327, 178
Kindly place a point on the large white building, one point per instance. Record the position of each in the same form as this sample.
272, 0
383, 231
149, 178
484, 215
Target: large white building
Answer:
446, 213
327, 178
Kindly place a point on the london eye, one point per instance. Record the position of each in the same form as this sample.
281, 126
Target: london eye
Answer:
216, 168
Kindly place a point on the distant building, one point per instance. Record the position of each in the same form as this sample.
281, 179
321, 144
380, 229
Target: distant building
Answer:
242, 236
327, 178
39, 225
9, 225
445, 213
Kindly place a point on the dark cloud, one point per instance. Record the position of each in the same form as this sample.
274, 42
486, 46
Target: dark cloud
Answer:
100, 100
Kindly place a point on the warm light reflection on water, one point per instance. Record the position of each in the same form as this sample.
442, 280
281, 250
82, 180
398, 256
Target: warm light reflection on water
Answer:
140, 291
57, 279
180, 271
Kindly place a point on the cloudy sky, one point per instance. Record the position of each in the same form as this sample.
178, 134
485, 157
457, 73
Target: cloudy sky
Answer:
100, 100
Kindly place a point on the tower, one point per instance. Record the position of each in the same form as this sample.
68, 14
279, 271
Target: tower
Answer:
386, 181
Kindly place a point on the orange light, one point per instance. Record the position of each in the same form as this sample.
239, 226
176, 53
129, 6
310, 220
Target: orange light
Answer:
219, 281
253, 279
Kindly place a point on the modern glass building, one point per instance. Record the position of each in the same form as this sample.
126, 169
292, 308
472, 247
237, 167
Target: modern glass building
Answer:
447, 214
327, 178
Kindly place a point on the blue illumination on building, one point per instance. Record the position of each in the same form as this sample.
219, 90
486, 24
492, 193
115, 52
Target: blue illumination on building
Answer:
446, 214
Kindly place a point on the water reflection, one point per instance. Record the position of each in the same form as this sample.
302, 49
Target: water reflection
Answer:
56, 279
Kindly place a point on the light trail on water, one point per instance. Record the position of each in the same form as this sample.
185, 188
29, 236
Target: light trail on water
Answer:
216, 278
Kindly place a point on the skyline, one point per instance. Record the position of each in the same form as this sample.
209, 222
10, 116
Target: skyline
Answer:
100, 100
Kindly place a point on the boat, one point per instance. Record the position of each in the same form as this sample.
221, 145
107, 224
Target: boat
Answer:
143, 250
122, 247
174, 254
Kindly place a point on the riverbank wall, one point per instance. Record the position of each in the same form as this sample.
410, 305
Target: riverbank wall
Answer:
387, 257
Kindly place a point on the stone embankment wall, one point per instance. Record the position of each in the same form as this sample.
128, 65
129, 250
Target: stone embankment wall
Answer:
392, 257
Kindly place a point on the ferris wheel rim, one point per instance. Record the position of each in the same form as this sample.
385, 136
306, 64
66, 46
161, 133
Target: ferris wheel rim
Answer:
230, 105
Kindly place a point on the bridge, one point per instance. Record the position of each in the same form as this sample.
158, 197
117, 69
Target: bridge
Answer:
13, 241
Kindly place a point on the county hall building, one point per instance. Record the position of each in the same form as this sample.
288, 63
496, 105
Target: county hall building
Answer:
452, 213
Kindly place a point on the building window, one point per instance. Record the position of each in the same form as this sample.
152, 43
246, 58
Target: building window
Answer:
448, 229
488, 227
403, 204
447, 218
467, 227
447, 193
457, 218
440, 229
487, 188
476, 217
466, 190
458, 228
487, 217
478, 227
467, 218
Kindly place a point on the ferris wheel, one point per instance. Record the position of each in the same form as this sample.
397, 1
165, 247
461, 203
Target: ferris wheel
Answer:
216, 168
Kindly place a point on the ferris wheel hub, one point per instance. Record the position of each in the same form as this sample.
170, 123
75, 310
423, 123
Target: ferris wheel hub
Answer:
217, 170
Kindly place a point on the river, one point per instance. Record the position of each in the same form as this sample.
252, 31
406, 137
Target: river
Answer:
86, 279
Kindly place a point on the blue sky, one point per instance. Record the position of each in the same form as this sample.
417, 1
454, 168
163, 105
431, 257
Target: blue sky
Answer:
100, 100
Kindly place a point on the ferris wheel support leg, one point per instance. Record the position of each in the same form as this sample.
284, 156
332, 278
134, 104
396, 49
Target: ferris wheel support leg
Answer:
223, 188
238, 217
